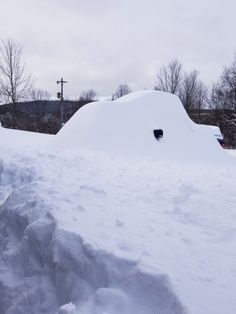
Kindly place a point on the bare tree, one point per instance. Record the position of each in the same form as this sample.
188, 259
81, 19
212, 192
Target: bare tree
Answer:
88, 95
224, 91
39, 94
218, 99
169, 78
15, 82
193, 93
122, 89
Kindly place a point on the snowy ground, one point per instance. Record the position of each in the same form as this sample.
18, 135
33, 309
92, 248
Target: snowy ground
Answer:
114, 236
88, 232
231, 152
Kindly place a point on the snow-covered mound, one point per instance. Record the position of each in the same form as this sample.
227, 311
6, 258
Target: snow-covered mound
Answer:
11, 138
51, 264
87, 232
92, 234
125, 127
231, 152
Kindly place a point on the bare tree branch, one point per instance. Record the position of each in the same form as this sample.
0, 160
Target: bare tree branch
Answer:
15, 82
169, 78
193, 93
224, 91
122, 89
39, 94
88, 95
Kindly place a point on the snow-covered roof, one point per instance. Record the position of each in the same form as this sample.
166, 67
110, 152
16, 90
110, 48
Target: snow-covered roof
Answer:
215, 130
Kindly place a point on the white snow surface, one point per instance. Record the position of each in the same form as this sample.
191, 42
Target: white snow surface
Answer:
125, 127
23, 139
85, 231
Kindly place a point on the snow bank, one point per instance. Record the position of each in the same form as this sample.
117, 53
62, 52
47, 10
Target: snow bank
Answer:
11, 138
231, 152
91, 234
125, 127
47, 268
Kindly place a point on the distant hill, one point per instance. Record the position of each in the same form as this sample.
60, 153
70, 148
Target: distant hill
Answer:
39, 116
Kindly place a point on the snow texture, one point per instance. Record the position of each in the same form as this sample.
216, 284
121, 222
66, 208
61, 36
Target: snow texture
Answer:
125, 127
87, 231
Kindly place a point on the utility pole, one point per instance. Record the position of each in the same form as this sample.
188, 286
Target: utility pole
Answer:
60, 96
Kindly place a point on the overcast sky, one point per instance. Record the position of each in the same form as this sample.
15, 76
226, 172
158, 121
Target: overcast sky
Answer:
100, 44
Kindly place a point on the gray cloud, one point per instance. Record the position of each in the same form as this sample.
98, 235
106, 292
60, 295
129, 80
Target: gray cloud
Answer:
99, 44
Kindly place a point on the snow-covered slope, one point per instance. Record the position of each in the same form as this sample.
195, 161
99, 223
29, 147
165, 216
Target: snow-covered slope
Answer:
115, 236
11, 138
231, 152
88, 232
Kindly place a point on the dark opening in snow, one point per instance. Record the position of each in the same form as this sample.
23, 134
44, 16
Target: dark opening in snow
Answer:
158, 133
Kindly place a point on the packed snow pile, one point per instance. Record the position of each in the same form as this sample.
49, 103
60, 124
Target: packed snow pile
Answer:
88, 232
125, 127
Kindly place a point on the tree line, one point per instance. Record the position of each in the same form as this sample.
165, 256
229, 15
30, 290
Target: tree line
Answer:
193, 93
16, 84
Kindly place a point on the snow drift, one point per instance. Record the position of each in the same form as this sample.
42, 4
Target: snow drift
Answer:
11, 138
87, 231
48, 267
125, 127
